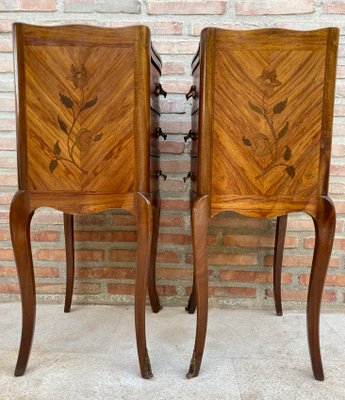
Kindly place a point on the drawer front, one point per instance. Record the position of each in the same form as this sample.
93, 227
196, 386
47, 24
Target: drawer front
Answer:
194, 141
154, 139
196, 83
154, 88
154, 168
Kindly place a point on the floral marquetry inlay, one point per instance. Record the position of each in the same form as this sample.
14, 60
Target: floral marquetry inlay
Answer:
82, 138
266, 144
80, 118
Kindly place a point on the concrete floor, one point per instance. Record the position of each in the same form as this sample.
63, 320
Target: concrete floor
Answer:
91, 354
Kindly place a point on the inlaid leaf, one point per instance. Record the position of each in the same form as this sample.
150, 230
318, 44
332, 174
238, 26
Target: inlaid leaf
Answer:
255, 108
279, 107
283, 131
62, 124
89, 104
246, 141
287, 153
66, 101
57, 148
52, 166
98, 137
291, 171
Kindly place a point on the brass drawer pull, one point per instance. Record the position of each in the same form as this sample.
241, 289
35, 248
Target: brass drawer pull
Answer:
160, 173
191, 135
159, 90
191, 93
190, 176
159, 132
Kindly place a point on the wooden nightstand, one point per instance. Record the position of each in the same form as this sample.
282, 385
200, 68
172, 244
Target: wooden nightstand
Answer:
261, 141
87, 102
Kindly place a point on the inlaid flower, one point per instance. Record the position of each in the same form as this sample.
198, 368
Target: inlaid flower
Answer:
268, 80
78, 76
85, 139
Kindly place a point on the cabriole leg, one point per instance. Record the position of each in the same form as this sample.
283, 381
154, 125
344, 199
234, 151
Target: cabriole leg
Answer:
324, 222
200, 218
154, 299
278, 262
20, 218
69, 243
144, 229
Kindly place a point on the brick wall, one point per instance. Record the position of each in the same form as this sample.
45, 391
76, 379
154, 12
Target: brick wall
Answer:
240, 249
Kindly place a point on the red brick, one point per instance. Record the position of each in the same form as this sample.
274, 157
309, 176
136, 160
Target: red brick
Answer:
105, 273
7, 104
339, 111
168, 257
122, 255
175, 166
229, 219
339, 243
5, 234
300, 261
79, 288
90, 255
5, 199
175, 273
172, 185
166, 290
37, 5
333, 7
8, 162
252, 276
232, 292
174, 238
156, 27
256, 241
175, 205
6, 46
4, 217
115, 6
232, 259
9, 288
7, 143
301, 295
165, 27
8, 180
341, 70
173, 106
337, 170
50, 218
339, 206
331, 280
176, 47
83, 220
50, 254
177, 127
123, 220
267, 7
8, 124
40, 272
338, 150
337, 188
45, 236
188, 7
174, 68
198, 27
174, 86
6, 25
171, 221
6, 254
46, 272
106, 236
120, 288
6, 66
